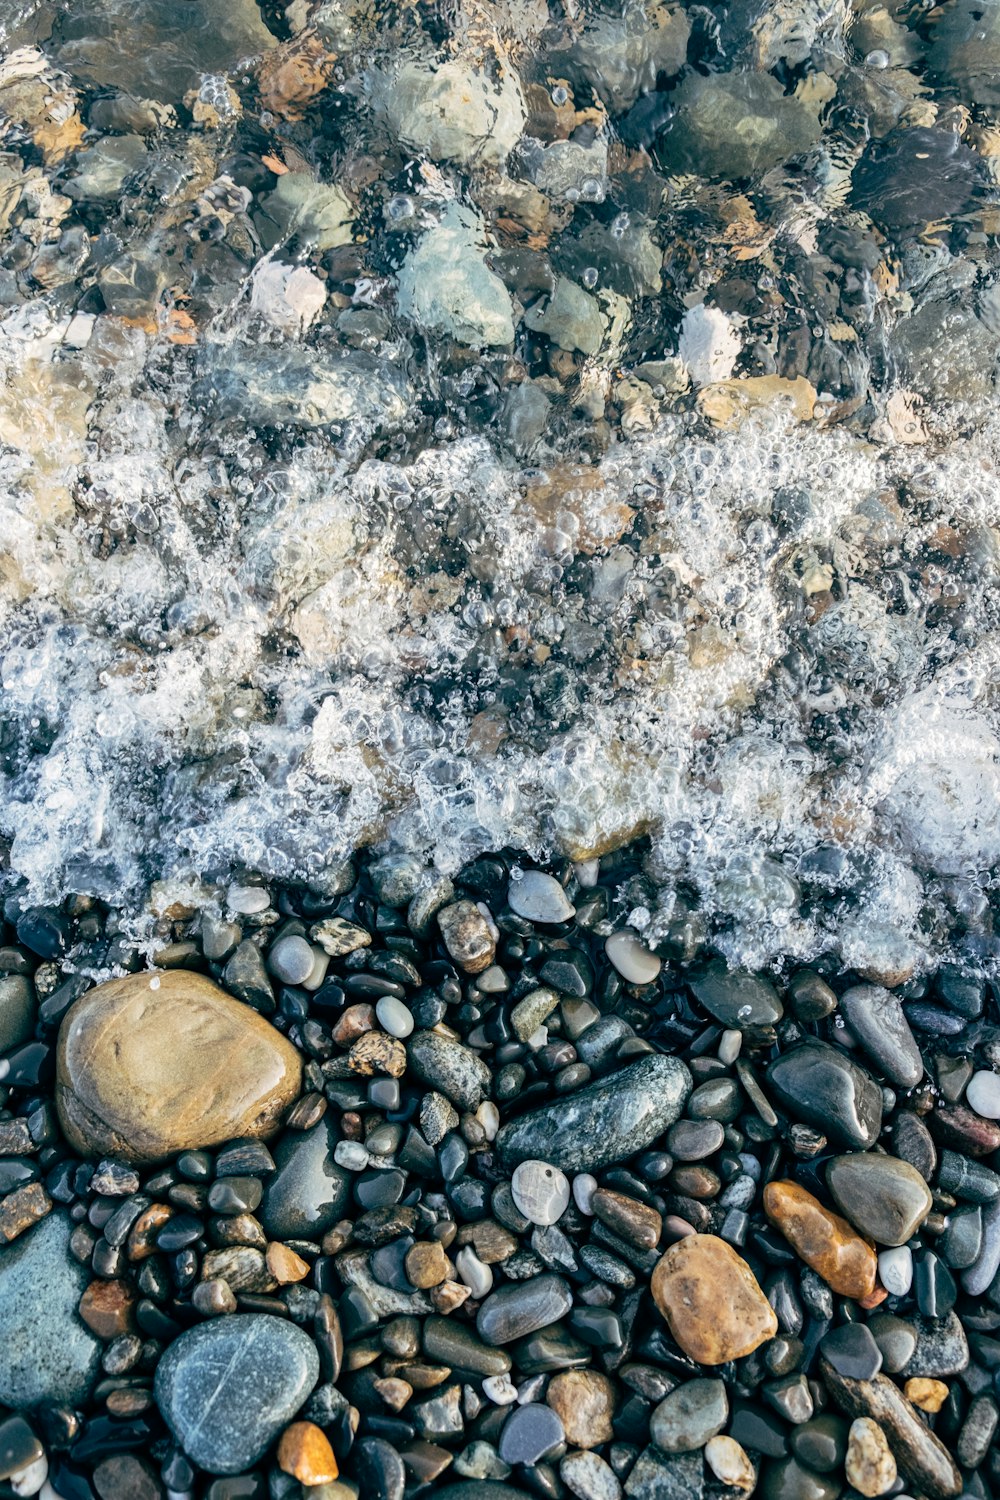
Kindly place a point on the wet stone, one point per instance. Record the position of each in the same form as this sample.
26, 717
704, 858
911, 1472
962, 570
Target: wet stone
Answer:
686, 1418
589, 1477
584, 1401
920, 1455
896, 1341
743, 1001
821, 1085
825, 1241
876, 1018
447, 1066
983, 1094
50, 1355
883, 1197
632, 959
514, 1312
19, 1446
666, 1476
539, 898
467, 936
127, 1047
530, 1434
821, 1443
308, 1192
915, 1144
852, 1351
711, 1300
227, 1388
540, 1192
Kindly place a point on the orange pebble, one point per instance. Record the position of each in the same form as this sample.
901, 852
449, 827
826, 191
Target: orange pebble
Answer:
305, 1453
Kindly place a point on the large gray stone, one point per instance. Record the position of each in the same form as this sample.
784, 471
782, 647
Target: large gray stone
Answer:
48, 1354
736, 125
226, 1389
604, 1122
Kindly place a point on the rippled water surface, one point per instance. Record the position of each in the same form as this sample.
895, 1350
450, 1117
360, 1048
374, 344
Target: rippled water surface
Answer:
448, 427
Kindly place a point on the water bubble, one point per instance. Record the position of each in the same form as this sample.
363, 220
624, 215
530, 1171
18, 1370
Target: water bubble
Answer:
878, 58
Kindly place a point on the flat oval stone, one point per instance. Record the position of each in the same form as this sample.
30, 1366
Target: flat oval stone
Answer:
539, 898
531, 1433
227, 1388
540, 1191
454, 1070
689, 1416
522, 1308
883, 1197
309, 1191
604, 1122
983, 1094
736, 999
49, 1355
823, 1086
163, 1062
711, 1300
824, 1240
876, 1018
632, 958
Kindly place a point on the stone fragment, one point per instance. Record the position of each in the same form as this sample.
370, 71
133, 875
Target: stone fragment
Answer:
21, 1209
928, 1395
158, 1063
451, 1068
541, 1192
711, 1300
452, 110
427, 1265
539, 898
824, 1240
730, 1463
227, 1388
108, 1307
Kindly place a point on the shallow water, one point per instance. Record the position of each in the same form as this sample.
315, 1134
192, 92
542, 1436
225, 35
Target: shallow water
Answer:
290, 567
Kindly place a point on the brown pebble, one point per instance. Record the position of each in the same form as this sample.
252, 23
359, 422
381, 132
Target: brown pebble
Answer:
584, 1401
107, 1308
929, 1395
124, 1474
306, 1112
304, 1452
427, 1265
240, 1229
711, 1300
961, 1129
243, 1268
467, 936
491, 1242
394, 1392
821, 1238
284, 1265
21, 1209
424, 1377
353, 1023
129, 1402
628, 1218
449, 1295
142, 1237
338, 1237
377, 1052
695, 1181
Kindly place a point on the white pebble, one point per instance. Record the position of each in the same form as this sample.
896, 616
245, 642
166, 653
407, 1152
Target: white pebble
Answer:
983, 1094
30, 1480
539, 898
291, 960
730, 1463
584, 1188
540, 1191
247, 899
321, 962
632, 958
730, 1043
351, 1155
393, 1016
477, 1277
587, 872
895, 1270
500, 1389
538, 1039
489, 1118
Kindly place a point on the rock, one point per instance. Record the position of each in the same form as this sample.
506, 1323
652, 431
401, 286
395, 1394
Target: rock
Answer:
711, 1300
928, 1395
821, 1443
291, 298
571, 171
730, 1464
966, 50
824, 1240
123, 1476
446, 287
305, 1453
131, 1074
689, 1416
895, 1270
447, 1066
541, 1192
589, 1477
851, 1350
740, 1000
571, 318
915, 1144
983, 1094
638, 1223
531, 1434
604, 1122
291, 960
270, 385
308, 1192
735, 125
427, 1265
227, 1388
622, 55
522, 1308
876, 1018
539, 898
454, 1344
17, 1011
108, 1307
981, 1273
49, 1354
665, 1476
318, 214
921, 1456
452, 111
789, 1480
914, 176
584, 1401
338, 937
632, 959
942, 1348
884, 1198
823, 1086
531, 1012
467, 936
896, 1341
19, 1447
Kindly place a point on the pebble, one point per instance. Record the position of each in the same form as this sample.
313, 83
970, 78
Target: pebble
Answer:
632, 959
515, 1311
19, 1447
821, 1443
983, 1094
665, 1476
730, 1463
896, 1340
452, 1069
291, 960
227, 1388
821, 1085
876, 1018
711, 1300
686, 1418
603, 1123
584, 1401
308, 1191
851, 1349
589, 1477
528, 1014
737, 999
539, 898
131, 1079
530, 1434
49, 1354
982, 1273
928, 1395
869, 1465
540, 1191
304, 1452
394, 1017
824, 1240
883, 1197
922, 1457
468, 936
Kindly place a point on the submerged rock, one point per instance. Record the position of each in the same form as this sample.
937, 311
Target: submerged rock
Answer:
446, 287
735, 125
452, 110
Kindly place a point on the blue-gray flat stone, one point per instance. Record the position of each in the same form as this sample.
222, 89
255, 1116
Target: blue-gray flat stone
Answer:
824, 1087
226, 1389
876, 1018
603, 1123
48, 1354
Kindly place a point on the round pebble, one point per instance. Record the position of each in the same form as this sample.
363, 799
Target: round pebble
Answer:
983, 1094
540, 1191
539, 898
632, 958
393, 1016
291, 960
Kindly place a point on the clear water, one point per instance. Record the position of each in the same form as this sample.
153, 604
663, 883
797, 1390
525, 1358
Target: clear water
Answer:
772, 647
